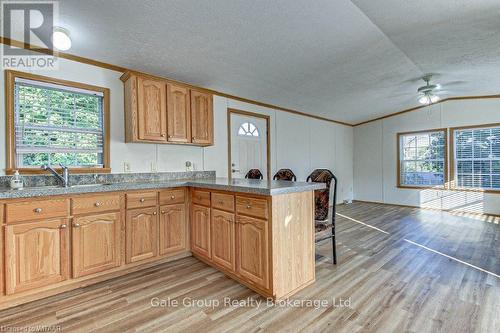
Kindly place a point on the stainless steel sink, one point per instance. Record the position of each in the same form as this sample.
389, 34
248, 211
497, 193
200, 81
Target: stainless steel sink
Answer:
90, 185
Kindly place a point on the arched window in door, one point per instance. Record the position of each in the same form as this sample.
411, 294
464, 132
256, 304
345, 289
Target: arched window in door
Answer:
248, 129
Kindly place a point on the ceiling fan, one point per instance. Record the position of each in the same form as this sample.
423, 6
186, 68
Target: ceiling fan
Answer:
428, 94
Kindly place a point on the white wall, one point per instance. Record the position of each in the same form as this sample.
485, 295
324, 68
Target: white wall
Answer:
375, 156
297, 142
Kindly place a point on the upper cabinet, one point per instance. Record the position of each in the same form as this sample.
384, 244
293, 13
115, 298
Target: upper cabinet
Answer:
202, 127
178, 113
159, 111
151, 110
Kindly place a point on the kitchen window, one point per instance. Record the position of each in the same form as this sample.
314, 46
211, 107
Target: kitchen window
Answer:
476, 157
56, 122
422, 158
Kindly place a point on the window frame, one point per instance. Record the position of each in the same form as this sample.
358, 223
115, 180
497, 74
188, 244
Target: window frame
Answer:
399, 160
10, 77
453, 171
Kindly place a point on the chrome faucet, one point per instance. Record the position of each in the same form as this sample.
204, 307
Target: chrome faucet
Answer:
63, 178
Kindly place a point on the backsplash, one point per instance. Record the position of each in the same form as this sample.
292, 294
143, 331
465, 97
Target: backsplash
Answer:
103, 178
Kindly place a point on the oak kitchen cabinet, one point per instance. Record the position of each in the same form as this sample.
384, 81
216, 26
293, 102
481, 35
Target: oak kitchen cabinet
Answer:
36, 254
141, 234
96, 243
58, 243
172, 229
161, 111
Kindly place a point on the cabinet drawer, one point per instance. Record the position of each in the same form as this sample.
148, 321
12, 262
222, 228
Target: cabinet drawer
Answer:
223, 201
201, 197
36, 210
142, 199
252, 207
96, 203
175, 196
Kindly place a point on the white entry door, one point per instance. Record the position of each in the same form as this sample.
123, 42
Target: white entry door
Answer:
248, 145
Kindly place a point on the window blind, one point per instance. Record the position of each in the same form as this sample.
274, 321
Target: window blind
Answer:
57, 124
422, 158
477, 158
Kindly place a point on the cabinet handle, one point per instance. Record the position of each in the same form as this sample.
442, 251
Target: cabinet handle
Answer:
76, 225
142, 199
63, 226
170, 137
154, 213
221, 202
163, 135
193, 138
37, 210
163, 212
172, 197
97, 204
249, 206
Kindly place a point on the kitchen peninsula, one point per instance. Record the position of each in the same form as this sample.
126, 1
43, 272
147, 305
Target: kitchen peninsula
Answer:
259, 233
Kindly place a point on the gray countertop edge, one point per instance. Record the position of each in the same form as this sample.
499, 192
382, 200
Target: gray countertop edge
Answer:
253, 187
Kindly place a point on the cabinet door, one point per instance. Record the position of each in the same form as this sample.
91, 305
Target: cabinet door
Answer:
36, 254
202, 118
172, 228
252, 243
178, 114
141, 234
223, 233
151, 109
200, 231
96, 243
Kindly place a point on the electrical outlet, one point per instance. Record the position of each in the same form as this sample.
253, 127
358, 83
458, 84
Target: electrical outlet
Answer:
126, 167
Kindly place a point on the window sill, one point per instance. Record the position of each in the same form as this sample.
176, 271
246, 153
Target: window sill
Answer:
38, 171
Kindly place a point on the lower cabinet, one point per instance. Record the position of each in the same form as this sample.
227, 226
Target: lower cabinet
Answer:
36, 254
172, 228
96, 243
141, 234
200, 231
252, 256
223, 245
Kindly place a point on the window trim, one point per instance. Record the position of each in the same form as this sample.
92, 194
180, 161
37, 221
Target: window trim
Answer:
453, 185
10, 77
398, 158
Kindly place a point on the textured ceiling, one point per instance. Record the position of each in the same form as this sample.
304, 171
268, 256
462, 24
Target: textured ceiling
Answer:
348, 61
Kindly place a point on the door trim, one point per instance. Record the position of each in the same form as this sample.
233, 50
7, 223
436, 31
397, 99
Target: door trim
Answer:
268, 138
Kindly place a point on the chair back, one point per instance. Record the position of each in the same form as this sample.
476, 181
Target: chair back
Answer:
322, 197
254, 174
285, 174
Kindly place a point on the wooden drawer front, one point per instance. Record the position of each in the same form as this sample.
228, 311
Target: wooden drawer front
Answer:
95, 204
137, 200
223, 201
36, 210
169, 197
201, 197
252, 207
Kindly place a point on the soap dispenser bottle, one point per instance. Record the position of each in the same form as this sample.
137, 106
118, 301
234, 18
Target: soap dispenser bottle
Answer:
16, 182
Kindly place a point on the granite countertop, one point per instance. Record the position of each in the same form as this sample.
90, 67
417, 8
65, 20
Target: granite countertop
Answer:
260, 187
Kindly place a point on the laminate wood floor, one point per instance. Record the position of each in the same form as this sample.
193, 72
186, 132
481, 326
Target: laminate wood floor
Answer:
400, 270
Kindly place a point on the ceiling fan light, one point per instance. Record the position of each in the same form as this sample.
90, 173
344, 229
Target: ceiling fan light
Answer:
61, 39
424, 99
434, 98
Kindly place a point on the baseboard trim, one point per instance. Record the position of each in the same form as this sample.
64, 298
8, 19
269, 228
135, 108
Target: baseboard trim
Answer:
428, 208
